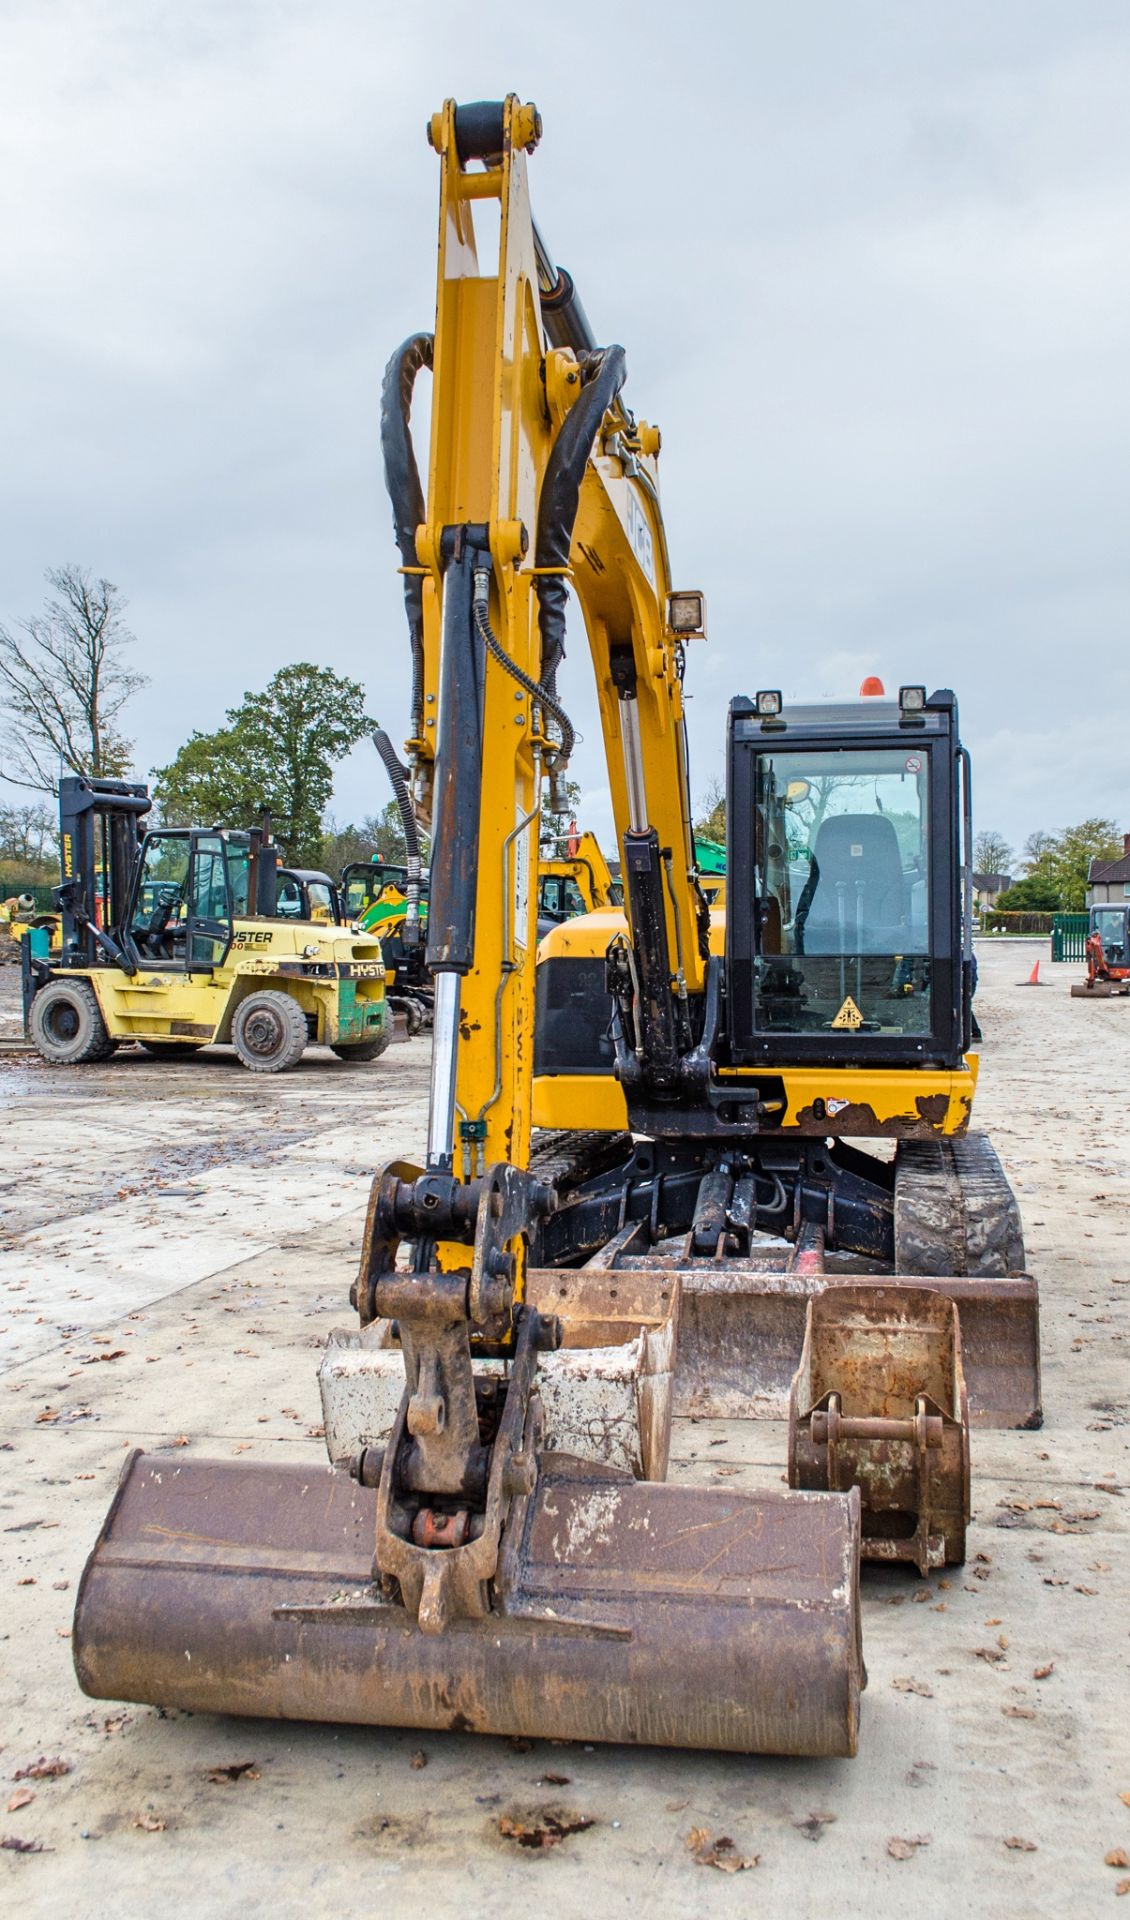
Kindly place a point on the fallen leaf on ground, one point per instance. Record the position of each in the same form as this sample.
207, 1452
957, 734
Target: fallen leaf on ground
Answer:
22, 1797
1020, 1846
1117, 1857
150, 1822
1122, 1886
992, 1654
543, 1826
181, 1440
43, 1769
813, 1824
418, 1761
906, 1685
676, 1806
1020, 1713
720, 1853
119, 1353
1125, 1799
11, 1843
905, 1849
1041, 1673
238, 1770
560, 1780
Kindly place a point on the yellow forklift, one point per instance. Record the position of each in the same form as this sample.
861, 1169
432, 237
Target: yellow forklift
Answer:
173, 939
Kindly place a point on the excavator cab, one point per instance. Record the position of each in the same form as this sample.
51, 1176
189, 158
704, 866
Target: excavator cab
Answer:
844, 925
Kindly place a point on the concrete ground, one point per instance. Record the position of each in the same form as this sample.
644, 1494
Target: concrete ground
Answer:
162, 1221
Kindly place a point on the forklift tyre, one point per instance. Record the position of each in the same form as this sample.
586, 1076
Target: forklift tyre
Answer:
268, 1032
171, 1049
361, 1050
66, 1025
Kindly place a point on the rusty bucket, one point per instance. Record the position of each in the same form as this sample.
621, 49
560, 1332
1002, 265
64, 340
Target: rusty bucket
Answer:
879, 1403
623, 1611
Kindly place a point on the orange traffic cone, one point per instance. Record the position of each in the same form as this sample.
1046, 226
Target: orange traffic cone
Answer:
1033, 979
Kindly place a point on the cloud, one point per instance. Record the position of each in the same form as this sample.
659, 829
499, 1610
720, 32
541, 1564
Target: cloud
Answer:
868, 265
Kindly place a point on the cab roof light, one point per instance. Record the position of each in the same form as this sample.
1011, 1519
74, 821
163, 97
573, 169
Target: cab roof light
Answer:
912, 699
768, 703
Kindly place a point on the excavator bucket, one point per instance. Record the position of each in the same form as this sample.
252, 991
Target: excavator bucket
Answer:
652, 1615
607, 1392
879, 1403
743, 1332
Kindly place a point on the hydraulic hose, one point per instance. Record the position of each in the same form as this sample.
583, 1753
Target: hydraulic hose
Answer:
402, 478
603, 374
541, 693
396, 774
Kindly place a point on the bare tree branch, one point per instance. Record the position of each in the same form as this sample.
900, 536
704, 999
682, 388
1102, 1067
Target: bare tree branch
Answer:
64, 683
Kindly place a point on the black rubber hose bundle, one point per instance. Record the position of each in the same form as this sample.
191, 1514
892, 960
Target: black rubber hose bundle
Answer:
402, 478
603, 374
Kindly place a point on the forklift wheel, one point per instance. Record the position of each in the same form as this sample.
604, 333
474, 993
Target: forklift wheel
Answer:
268, 1032
364, 1049
67, 1026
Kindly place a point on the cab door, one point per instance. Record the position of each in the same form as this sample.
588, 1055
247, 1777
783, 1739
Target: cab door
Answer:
210, 905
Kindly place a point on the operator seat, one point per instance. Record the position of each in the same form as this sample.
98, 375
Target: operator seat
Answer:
855, 856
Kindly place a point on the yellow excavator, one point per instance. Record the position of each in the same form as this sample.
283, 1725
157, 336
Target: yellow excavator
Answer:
643, 1182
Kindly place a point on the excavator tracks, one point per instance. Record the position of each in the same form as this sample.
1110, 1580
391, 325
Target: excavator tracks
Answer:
955, 1212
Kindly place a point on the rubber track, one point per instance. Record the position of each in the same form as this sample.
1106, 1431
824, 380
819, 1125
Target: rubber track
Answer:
954, 1209
566, 1160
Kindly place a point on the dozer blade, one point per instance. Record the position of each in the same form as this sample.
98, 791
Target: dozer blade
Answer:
624, 1611
1099, 989
742, 1331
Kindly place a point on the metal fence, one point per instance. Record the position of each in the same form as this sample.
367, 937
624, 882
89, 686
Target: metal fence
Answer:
1069, 936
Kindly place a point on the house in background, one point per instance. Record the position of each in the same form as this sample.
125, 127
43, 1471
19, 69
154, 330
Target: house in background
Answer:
986, 887
1108, 881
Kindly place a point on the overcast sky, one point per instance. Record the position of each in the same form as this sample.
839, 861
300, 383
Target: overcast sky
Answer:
869, 262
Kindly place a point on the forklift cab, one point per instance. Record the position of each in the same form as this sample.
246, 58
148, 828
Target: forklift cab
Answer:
189, 888
305, 894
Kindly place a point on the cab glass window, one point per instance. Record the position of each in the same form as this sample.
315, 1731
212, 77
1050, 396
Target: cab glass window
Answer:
321, 902
841, 891
160, 904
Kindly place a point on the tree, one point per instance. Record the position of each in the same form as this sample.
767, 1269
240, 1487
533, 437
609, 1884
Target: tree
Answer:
278, 750
380, 835
1031, 895
28, 836
64, 682
556, 823
1067, 862
712, 822
1035, 847
991, 853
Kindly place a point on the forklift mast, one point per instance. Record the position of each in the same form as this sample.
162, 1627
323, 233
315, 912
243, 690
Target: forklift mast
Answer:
99, 843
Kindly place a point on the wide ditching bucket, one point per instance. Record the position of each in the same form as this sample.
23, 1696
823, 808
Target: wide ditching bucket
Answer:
622, 1611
